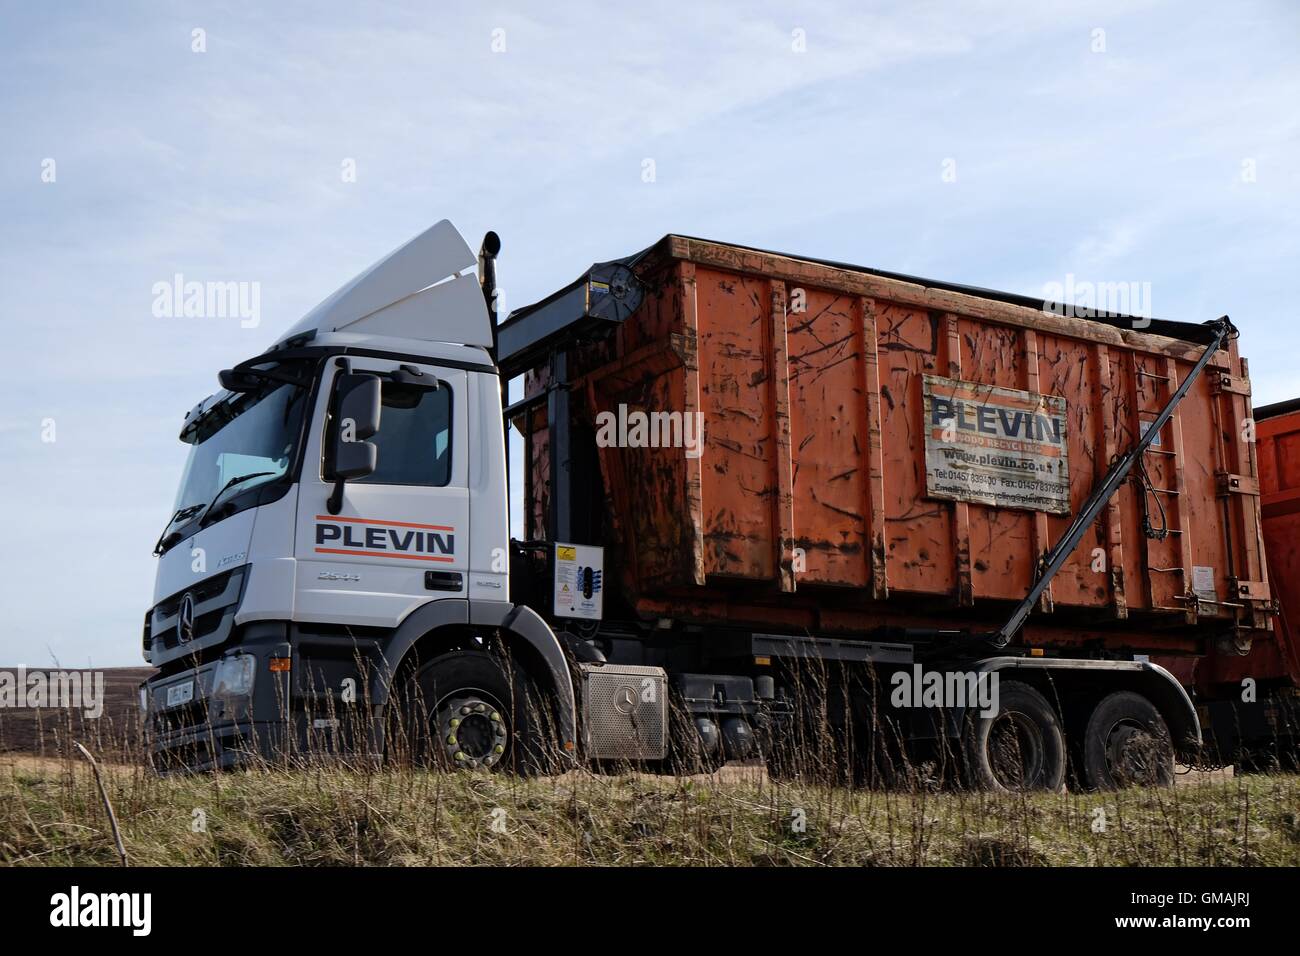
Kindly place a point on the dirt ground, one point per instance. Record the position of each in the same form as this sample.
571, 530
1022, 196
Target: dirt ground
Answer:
40, 731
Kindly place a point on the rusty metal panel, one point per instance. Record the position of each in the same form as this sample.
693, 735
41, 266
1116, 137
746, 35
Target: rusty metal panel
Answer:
1039, 542
1244, 510
1112, 541
829, 439
1167, 578
919, 531
781, 459
1184, 505
650, 490
960, 509
1002, 552
738, 480
875, 499
694, 531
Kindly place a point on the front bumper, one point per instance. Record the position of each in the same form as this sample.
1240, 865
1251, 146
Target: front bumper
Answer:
190, 728
309, 705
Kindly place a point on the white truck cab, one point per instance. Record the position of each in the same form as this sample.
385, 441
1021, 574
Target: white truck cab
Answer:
344, 481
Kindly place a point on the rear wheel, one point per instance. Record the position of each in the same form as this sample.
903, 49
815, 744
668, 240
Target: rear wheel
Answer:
1021, 747
469, 710
1127, 743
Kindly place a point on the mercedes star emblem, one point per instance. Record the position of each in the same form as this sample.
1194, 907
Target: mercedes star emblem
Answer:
185, 619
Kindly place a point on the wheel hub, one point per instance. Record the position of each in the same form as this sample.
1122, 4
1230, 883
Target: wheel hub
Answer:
473, 731
1133, 753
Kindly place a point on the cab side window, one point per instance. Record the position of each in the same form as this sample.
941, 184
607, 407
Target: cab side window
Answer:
414, 437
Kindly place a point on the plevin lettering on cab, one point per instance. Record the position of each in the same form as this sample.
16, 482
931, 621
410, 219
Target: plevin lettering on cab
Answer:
398, 540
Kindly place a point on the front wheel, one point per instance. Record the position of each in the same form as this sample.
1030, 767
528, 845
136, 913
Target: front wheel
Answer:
468, 710
1021, 747
1127, 743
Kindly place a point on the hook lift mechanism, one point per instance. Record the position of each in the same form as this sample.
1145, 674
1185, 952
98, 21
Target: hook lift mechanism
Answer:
1052, 561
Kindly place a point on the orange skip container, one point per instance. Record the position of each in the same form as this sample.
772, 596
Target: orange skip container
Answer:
826, 495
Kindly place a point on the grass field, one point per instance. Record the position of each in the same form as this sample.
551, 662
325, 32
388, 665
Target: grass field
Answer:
51, 813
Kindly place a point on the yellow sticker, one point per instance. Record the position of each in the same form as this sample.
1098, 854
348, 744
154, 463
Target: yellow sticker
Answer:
566, 552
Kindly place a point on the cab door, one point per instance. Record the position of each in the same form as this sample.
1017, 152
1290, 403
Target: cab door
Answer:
402, 535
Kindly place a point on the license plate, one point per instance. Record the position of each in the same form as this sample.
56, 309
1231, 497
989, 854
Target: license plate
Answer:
180, 693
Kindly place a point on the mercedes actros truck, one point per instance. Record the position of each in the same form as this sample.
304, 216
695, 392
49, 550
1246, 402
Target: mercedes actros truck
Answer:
774, 508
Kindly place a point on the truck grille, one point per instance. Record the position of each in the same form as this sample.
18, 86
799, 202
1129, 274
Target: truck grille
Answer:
215, 601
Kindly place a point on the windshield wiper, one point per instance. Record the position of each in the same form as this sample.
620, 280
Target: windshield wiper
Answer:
164, 540
238, 479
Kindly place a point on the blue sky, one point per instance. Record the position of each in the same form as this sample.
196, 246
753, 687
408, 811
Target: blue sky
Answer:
1170, 157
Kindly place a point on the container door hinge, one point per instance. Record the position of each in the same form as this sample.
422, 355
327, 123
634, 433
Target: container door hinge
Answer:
1251, 590
1232, 384
1229, 484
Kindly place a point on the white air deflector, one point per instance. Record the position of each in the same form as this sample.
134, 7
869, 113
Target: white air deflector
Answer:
414, 292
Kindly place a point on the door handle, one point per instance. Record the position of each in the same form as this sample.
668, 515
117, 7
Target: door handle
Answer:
442, 580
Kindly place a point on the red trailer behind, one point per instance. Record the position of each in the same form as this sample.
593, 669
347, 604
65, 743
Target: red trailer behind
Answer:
1251, 703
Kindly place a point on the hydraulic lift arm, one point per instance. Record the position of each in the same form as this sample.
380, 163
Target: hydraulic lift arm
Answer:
1119, 471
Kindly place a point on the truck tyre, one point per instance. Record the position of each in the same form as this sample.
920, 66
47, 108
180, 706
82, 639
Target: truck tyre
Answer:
465, 713
1022, 747
1126, 743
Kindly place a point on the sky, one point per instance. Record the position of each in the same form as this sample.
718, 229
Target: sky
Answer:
289, 145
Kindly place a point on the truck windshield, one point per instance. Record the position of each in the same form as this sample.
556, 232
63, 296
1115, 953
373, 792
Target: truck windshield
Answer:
250, 433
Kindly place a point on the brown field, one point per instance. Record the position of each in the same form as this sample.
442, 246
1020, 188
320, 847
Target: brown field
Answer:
43, 731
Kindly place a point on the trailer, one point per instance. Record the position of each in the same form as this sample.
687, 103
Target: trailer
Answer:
1250, 703
775, 508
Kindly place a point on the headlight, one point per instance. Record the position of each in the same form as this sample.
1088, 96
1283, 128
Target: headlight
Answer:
234, 677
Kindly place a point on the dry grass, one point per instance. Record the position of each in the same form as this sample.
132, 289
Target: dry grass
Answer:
50, 813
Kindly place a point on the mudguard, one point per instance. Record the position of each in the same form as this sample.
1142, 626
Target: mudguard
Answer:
521, 621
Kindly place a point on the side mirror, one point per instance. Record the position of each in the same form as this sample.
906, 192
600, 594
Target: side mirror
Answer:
355, 418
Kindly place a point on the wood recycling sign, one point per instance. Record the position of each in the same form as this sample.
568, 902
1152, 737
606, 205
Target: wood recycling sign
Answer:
995, 446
